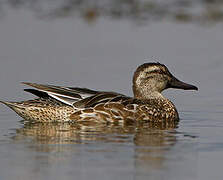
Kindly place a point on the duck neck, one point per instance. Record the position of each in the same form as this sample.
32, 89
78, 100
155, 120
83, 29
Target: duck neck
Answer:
141, 93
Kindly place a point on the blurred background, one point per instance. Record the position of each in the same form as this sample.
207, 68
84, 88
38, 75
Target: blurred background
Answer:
98, 44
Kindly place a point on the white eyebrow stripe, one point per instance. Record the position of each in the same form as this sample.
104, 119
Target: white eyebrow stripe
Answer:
142, 74
153, 68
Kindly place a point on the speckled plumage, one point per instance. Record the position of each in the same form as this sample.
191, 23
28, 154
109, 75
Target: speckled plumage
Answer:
62, 104
43, 110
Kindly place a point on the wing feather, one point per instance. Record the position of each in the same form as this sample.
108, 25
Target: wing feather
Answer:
77, 97
66, 95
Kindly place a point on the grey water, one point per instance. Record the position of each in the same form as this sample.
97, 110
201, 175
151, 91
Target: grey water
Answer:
101, 51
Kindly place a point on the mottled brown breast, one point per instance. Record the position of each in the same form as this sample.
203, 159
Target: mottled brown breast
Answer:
157, 110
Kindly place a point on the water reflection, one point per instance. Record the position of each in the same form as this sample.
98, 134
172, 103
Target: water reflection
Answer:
150, 141
145, 134
137, 10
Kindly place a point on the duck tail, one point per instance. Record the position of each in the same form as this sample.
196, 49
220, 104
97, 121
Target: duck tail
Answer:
13, 105
18, 108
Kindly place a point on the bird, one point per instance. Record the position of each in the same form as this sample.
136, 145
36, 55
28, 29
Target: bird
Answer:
75, 104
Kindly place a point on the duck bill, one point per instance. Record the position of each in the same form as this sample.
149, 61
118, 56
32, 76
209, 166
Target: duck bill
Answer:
175, 83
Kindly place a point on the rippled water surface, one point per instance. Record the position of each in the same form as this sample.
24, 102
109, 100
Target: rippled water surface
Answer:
100, 51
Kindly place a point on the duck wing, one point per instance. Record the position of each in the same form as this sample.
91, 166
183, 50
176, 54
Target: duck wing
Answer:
77, 97
103, 98
67, 95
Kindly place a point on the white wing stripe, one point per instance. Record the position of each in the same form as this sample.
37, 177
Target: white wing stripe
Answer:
59, 99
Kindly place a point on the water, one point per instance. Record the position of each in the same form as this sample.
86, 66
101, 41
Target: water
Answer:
103, 55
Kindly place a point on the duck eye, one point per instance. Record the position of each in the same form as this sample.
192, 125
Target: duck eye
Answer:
163, 71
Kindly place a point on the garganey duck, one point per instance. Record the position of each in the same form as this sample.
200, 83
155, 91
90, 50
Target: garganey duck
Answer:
62, 104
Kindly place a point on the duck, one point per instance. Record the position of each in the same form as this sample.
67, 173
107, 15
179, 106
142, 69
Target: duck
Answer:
75, 104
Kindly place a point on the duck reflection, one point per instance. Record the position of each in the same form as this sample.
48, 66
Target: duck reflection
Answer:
145, 133
152, 144
149, 141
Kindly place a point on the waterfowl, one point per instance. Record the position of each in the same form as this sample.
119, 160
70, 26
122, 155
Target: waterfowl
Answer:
73, 104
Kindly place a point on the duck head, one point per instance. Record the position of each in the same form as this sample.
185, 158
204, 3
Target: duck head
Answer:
150, 79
